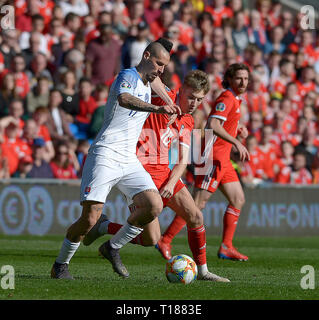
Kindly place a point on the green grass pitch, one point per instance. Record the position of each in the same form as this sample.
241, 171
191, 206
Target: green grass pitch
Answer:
272, 273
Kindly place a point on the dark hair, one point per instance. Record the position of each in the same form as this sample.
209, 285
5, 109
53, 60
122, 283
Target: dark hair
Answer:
284, 61
37, 16
168, 45
70, 16
84, 79
231, 71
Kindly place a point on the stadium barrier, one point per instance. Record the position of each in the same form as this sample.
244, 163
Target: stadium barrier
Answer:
41, 207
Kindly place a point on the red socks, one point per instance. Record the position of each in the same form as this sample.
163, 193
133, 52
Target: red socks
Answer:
197, 244
230, 224
174, 228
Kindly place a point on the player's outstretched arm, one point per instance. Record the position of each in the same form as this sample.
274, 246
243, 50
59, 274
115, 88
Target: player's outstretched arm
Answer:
129, 101
215, 124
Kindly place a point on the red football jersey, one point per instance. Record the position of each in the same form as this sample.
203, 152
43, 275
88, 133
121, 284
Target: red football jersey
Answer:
156, 137
227, 109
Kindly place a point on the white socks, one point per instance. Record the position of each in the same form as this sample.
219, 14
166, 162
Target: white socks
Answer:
124, 235
67, 251
202, 270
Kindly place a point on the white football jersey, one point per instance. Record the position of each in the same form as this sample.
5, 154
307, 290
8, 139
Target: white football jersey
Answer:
121, 128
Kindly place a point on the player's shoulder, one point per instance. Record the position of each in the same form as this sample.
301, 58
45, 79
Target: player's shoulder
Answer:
226, 95
129, 75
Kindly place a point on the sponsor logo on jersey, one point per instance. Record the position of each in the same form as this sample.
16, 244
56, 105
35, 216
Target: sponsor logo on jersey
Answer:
220, 107
125, 84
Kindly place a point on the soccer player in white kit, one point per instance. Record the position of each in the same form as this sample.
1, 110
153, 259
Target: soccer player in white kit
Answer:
112, 161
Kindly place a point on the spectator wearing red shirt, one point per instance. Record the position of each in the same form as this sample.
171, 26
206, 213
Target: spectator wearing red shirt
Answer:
186, 30
297, 173
41, 116
160, 25
286, 75
256, 124
296, 137
295, 100
13, 147
21, 79
252, 170
306, 81
306, 46
87, 102
61, 166
24, 21
4, 166
256, 98
219, 12
285, 159
290, 124
153, 11
269, 152
136, 12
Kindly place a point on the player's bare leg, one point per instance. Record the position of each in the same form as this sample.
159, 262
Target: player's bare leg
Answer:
234, 193
91, 212
148, 206
183, 204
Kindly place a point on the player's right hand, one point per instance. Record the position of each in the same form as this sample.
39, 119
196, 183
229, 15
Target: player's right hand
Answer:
170, 109
243, 152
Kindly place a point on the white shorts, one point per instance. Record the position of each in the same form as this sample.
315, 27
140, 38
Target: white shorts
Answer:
101, 174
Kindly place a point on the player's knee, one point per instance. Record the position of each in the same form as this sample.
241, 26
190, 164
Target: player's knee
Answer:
88, 223
238, 201
196, 219
156, 206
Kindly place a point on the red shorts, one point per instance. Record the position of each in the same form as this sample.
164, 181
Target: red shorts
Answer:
222, 172
161, 177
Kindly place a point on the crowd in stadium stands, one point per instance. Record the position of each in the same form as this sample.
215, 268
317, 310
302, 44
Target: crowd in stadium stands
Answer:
58, 63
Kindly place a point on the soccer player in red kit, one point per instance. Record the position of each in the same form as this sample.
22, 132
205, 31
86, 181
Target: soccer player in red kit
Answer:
224, 120
152, 151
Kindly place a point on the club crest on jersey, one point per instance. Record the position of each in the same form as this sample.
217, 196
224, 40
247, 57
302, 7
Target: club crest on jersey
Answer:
125, 84
220, 107
87, 190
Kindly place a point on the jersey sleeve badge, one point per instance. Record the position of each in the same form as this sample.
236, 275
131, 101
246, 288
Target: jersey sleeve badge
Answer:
220, 107
126, 84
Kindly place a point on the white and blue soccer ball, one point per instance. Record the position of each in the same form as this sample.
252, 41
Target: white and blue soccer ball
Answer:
181, 269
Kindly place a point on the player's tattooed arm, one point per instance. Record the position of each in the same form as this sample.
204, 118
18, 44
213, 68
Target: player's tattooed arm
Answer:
128, 101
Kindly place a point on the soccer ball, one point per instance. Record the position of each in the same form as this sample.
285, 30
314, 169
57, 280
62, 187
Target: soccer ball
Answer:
181, 268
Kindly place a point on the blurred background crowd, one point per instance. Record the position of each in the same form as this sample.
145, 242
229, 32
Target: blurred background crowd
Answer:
58, 63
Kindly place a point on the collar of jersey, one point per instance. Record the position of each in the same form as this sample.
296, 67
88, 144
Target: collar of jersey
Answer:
232, 91
137, 73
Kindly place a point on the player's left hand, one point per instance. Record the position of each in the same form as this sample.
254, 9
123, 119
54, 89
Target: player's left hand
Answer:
167, 191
